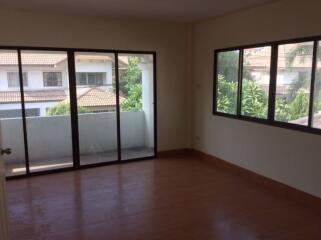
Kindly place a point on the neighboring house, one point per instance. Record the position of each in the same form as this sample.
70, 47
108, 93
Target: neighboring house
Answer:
258, 64
38, 102
46, 83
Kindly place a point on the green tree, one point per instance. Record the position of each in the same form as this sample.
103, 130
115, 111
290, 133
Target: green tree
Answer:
63, 108
132, 75
299, 107
282, 110
296, 109
131, 86
254, 100
226, 95
133, 102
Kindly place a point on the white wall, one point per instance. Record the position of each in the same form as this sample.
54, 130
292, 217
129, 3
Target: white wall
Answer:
288, 156
169, 40
50, 137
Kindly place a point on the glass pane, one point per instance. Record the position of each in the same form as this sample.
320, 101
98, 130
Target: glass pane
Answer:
227, 81
96, 107
316, 120
293, 83
136, 85
11, 130
48, 110
256, 82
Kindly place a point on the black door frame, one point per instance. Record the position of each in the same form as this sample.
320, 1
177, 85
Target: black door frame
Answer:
73, 107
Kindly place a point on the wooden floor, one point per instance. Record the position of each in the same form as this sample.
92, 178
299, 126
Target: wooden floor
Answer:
174, 198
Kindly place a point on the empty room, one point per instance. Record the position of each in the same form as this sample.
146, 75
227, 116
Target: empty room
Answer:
160, 120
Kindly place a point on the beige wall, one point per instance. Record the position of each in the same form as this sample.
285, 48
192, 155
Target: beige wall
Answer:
288, 156
169, 40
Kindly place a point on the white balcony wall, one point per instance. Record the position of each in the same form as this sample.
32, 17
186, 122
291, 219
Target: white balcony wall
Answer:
41, 105
50, 137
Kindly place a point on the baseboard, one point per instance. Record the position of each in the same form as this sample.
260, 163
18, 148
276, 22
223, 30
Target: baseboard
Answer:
175, 153
281, 189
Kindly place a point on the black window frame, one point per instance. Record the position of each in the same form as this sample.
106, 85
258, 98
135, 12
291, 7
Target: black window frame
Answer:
272, 88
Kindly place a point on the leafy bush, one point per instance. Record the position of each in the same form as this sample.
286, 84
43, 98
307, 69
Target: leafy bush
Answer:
282, 110
296, 109
133, 102
254, 100
226, 95
63, 108
131, 86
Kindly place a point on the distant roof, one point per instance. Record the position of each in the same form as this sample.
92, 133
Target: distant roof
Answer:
86, 97
36, 58
11, 58
94, 97
33, 96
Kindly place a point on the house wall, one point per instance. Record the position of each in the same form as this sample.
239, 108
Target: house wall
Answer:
96, 67
35, 74
287, 156
169, 40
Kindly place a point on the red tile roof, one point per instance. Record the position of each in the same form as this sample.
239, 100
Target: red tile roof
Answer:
86, 97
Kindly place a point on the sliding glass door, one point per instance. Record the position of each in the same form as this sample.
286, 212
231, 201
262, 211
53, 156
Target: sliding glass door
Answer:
136, 90
47, 104
96, 105
67, 109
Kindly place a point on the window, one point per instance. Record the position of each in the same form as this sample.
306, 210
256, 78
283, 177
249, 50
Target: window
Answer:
52, 79
92, 78
293, 82
13, 79
227, 81
276, 83
256, 82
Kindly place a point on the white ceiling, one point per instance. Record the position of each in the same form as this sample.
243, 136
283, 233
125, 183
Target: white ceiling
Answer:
167, 10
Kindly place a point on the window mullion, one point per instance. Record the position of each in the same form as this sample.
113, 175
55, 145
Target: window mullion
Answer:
314, 64
23, 111
239, 85
273, 77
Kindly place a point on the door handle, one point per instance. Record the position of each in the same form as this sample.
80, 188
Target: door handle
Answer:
6, 151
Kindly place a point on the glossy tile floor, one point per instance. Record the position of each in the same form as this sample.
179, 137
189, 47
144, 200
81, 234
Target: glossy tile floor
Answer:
174, 198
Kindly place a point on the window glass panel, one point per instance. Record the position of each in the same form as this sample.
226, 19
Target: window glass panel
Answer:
136, 90
97, 105
47, 110
316, 120
227, 81
256, 82
11, 133
293, 83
